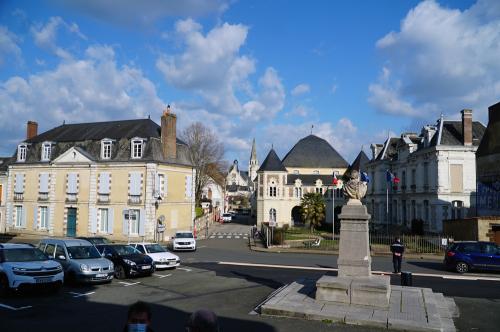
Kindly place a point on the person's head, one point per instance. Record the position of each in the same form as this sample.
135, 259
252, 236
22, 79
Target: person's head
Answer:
398, 239
202, 321
139, 317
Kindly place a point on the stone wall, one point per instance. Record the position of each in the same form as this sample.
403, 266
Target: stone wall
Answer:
472, 229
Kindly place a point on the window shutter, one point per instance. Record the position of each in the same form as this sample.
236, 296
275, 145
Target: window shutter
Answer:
189, 186
142, 221
48, 218
19, 188
104, 183
23, 220
111, 217
72, 185
135, 184
93, 220
44, 182
157, 185
35, 218
125, 222
165, 185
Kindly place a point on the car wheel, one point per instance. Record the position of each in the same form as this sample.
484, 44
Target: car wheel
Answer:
120, 272
4, 286
461, 267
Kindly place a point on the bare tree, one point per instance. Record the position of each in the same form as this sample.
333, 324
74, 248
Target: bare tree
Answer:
206, 153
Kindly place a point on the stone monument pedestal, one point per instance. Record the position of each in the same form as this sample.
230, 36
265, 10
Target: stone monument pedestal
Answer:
355, 284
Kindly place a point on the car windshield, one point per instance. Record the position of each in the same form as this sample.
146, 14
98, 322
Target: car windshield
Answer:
184, 235
154, 248
226, 215
125, 250
83, 252
24, 255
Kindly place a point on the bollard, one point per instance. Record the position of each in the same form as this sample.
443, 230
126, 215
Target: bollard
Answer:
406, 279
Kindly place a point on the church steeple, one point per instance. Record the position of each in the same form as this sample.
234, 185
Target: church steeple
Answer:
254, 163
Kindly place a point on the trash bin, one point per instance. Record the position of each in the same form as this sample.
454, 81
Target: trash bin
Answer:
406, 279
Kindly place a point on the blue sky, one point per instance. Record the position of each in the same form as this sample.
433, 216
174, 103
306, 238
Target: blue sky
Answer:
354, 71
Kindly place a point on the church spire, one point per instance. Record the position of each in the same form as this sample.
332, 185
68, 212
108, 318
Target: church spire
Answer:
253, 154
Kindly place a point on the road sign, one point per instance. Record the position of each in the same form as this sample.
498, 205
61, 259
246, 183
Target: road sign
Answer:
161, 228
272, 223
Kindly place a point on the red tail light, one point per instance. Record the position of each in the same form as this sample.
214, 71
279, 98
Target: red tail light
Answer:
450, 254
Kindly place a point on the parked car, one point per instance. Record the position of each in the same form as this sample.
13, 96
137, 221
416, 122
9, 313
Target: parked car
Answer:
162, 258
184, 240
468, 255
95, 239
80, 260
24, 266
129, 262
227, 217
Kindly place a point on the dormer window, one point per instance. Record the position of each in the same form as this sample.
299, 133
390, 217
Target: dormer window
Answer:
21, 152
315, 172
106, 146
46, 151
137, 147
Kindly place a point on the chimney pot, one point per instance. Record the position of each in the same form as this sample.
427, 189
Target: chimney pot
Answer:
31, 129
467, 126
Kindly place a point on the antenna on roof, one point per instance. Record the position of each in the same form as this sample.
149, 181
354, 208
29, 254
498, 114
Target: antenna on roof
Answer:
64, 122
149, 116
272, 146
312, 126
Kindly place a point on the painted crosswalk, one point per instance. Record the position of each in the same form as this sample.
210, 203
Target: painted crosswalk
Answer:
228, 235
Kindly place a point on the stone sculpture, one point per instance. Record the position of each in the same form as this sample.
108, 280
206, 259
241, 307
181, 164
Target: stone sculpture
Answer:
354, 189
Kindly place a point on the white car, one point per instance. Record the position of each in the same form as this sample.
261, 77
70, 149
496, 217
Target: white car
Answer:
227, 217
162, 258
184, 240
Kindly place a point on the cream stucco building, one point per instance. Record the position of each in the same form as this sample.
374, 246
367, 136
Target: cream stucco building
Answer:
308, 167
115, 179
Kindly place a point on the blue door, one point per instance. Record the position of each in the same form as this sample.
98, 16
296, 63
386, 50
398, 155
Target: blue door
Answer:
71, 224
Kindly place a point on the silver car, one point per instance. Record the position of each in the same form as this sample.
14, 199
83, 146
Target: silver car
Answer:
80, 260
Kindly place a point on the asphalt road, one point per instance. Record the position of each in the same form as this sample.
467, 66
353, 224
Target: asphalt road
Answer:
232, 289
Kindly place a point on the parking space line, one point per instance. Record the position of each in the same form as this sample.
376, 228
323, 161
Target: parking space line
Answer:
220, 237
14, 308
237, 237
184, 269
162, 275
126, 284
81, 294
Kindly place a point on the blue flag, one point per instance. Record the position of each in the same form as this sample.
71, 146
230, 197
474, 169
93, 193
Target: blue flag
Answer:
365, 177
389, 176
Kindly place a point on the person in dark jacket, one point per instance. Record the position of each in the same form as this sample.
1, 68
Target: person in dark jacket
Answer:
397, 249
202, 321
138, 318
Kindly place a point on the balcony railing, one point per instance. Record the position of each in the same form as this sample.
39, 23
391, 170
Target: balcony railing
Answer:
71, 198
103, 198
134, 199
43, 196
18, 196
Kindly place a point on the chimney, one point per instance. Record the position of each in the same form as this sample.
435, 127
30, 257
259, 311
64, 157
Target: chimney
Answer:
169, 134
31, 129
376, 148
467, 126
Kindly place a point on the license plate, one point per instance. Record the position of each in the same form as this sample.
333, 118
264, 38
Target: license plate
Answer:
146, 267
101, 275
43, 280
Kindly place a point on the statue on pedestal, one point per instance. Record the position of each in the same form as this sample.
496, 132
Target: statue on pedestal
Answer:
354, 189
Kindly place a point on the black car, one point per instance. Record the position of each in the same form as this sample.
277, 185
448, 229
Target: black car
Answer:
128, 261
95, 240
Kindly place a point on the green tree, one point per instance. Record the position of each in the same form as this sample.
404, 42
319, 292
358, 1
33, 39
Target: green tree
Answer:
313, 209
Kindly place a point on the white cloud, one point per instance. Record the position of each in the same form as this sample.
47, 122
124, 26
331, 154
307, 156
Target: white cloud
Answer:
9, 45
334, 88
300, 110
94, 88
144, 13
301, 89
45, 36
441, 60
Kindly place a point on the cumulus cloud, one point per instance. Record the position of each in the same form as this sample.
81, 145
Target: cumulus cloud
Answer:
144, 13
9, 45
301, 89
441, 60
94, 88
45, 36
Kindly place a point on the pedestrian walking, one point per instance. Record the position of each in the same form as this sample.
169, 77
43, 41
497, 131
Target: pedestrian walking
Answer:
138, 318
397, 249
202, 321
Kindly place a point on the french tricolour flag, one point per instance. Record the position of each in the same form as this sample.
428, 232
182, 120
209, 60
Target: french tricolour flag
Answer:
391, 177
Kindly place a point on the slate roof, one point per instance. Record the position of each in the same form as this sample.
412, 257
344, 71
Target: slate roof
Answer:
360, 162
309, 179
86, 137
272, 163
452, 133
313, 151
392, 149
4, 163
232, 188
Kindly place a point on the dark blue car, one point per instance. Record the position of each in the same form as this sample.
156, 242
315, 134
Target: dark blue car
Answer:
468, 255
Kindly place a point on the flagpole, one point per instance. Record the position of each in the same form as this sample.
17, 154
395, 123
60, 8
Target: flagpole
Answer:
387, 206
333, 214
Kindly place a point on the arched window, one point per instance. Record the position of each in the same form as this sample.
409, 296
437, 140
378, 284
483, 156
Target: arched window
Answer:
272, 215
272, 189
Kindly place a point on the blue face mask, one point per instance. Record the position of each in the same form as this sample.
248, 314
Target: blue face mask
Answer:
137, 327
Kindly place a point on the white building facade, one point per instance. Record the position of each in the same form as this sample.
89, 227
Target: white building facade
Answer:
437, 173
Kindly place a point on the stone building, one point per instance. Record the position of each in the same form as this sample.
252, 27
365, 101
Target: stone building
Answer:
437, 172
112, 178
3, 194
308, 167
